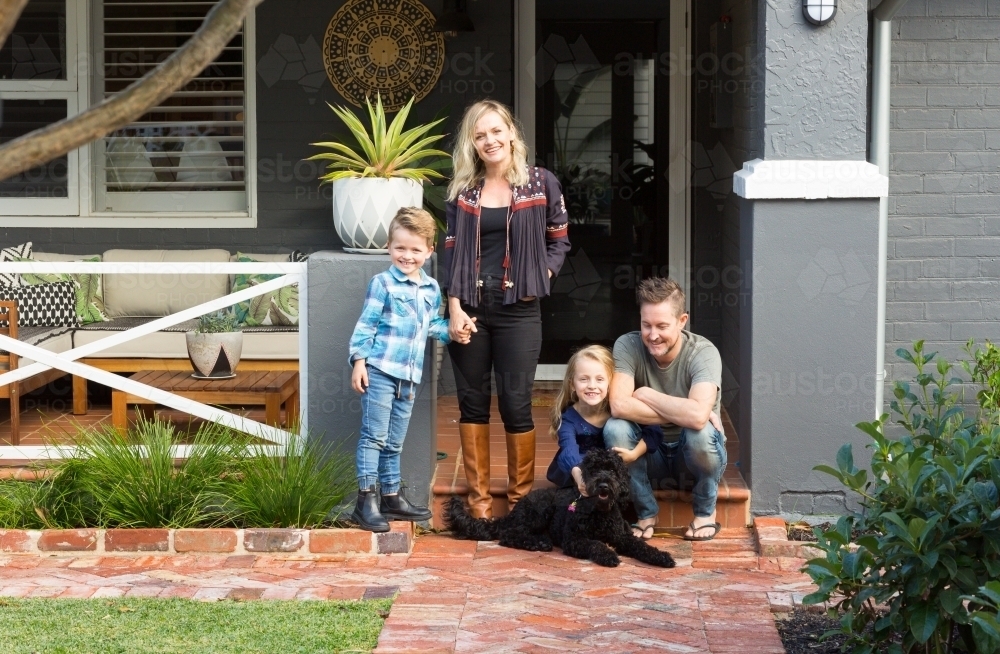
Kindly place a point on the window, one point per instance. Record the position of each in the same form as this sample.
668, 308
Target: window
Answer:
188, 156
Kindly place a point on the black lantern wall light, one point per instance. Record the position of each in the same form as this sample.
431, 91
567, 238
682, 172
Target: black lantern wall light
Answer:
819, 12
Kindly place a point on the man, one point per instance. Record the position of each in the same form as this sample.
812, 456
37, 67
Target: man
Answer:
666, 375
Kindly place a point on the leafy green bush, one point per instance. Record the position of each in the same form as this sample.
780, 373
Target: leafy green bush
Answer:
932, 500
56, 501
984, 369
300, 489
135, 482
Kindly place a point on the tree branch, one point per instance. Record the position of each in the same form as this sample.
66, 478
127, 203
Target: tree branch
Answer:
55, 140
10, 11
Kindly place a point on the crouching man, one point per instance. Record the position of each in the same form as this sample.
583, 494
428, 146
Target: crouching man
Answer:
666, 375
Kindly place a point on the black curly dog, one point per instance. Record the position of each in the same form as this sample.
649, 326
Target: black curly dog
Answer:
582, 526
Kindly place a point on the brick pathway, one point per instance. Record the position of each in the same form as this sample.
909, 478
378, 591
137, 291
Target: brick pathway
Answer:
474, 597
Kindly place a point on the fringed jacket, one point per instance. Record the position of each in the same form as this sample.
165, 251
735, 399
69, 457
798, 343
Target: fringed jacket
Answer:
537, 240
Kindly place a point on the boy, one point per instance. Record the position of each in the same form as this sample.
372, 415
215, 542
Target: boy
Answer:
387, 351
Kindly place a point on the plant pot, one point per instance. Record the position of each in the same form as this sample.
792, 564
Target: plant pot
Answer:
214, 356
364, 207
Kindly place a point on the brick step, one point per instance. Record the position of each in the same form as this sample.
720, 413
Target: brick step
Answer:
732, 507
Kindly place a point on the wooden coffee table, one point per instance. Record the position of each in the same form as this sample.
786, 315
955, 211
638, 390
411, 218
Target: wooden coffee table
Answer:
268, 388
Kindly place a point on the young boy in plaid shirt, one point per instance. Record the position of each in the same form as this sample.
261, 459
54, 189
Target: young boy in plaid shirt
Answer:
387, 351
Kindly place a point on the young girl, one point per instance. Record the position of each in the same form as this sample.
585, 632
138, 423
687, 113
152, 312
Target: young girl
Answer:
579, 414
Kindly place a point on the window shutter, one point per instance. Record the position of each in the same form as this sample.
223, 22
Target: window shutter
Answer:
191, 147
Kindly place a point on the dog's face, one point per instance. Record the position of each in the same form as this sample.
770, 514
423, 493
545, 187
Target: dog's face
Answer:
606, 478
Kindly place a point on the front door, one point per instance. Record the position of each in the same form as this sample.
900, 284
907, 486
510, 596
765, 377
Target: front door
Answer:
601, 114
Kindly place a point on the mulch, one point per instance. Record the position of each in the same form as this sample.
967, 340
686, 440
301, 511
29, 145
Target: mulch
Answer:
801, 632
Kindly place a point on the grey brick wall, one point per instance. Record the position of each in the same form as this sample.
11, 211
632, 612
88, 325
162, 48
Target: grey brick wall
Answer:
944, 207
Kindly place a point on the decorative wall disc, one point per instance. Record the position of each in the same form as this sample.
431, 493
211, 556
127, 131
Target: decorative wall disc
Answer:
383, 46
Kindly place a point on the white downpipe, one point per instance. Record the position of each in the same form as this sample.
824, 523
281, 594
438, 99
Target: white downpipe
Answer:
881, 86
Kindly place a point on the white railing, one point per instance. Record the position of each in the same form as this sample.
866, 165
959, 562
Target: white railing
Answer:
292, 273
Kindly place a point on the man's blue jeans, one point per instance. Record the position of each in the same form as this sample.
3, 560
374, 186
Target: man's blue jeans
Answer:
695, 463
385, 414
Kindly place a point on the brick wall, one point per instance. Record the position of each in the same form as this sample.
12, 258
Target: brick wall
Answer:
944, 205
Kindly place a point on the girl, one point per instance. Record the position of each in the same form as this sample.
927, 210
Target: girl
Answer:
578, 418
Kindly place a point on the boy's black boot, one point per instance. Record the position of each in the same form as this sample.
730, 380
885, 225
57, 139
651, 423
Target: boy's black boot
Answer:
366, 512
397, 507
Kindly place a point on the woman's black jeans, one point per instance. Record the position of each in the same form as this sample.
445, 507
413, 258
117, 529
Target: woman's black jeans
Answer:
508, 342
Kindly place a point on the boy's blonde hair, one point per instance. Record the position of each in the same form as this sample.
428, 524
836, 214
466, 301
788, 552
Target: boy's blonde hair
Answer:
416, 221
567, 394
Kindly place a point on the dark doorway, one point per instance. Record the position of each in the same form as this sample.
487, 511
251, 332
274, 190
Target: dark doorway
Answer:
601, 127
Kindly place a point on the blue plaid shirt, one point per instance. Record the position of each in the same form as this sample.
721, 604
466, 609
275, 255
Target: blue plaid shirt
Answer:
398, 317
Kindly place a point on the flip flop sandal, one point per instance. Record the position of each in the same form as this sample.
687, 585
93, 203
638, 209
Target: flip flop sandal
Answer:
643, 536
714, 525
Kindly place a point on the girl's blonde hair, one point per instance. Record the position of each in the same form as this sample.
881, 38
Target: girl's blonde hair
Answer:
469, 169
567, 394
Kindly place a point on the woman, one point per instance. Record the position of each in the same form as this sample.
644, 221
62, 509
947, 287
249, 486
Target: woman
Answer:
507, 236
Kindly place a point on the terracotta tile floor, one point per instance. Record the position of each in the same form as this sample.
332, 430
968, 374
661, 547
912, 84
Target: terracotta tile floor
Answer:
462, 596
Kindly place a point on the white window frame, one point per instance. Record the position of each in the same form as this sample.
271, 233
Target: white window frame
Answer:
80, 209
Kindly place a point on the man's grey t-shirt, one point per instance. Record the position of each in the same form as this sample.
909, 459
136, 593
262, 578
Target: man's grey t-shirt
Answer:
698, 361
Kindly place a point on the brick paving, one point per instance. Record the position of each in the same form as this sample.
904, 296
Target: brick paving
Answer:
462, 596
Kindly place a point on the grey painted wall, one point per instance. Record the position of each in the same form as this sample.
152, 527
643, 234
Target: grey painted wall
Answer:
293, 211
337, 285
944, 206
808, 345
816, 82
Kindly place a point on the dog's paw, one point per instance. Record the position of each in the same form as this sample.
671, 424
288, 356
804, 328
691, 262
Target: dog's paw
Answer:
664, 560
540, 546
608, 559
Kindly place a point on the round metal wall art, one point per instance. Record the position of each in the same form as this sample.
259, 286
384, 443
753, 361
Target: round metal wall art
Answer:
386, 47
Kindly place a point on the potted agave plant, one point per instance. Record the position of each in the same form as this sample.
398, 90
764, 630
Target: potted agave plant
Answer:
386, 172
215, 346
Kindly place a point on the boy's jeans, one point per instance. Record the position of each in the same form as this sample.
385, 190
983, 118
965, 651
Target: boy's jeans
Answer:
695, 462
385, 414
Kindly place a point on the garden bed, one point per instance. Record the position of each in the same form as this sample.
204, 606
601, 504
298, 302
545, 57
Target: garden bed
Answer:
302, 542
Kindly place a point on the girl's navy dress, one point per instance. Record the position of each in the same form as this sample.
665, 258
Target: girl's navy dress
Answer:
576, 436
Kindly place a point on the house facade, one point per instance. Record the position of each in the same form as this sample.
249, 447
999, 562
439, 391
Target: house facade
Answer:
724, 142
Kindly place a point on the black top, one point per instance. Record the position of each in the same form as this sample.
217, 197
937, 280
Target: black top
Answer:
492, 240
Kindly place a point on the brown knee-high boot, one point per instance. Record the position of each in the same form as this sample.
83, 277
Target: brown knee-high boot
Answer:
520, 465
476, 457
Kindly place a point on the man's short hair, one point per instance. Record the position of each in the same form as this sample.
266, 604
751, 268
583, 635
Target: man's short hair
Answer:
655, 290
417, 221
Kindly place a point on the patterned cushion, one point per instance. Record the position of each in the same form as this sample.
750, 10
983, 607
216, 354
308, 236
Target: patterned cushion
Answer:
280, 307
15, 253
89, 291
53, 305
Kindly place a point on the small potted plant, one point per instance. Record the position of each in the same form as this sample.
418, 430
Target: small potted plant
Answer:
370, 185
215, 346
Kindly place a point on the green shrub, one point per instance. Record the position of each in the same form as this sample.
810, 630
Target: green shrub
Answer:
984, 369
57, 501
300, 489
932, 500
135, 483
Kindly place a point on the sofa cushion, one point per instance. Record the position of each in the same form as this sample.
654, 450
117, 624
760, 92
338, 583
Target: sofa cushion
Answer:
258, 342
89, 290
49, 305
277, 307
161, 294
53, 339
15, 253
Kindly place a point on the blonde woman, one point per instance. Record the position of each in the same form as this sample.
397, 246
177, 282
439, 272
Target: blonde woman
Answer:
507, 236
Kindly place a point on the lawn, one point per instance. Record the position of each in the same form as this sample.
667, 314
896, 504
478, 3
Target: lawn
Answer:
138, 626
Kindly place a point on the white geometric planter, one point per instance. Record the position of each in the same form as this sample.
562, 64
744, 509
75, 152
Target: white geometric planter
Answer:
215, 355
364, 207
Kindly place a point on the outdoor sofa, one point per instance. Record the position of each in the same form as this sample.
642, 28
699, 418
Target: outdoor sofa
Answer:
127, 300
